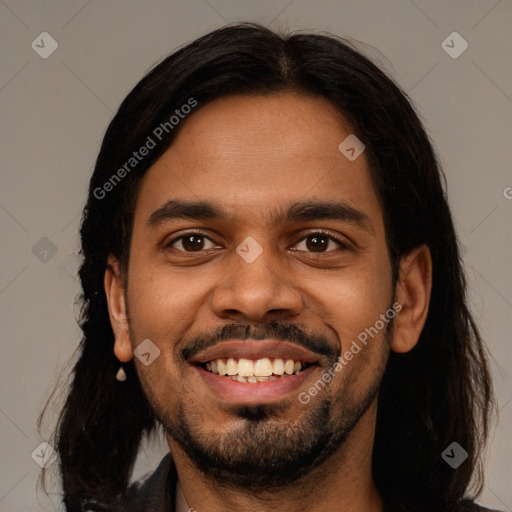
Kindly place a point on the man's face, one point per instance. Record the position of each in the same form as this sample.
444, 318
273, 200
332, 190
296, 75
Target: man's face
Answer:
271, 171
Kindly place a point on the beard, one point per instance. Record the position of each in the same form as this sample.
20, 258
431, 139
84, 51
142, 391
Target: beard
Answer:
263, 451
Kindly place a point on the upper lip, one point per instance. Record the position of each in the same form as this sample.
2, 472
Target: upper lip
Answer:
251, 349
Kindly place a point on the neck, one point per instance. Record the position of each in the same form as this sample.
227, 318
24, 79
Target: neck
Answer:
342, 483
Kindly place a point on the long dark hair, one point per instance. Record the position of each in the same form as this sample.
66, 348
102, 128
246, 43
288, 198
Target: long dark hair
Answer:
438, 393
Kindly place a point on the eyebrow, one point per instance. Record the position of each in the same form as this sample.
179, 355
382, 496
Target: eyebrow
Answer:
300, 211
176, 209
315, 210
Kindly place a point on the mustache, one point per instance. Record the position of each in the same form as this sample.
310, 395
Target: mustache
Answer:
316, 343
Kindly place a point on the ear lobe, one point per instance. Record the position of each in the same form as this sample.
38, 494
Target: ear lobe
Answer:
413, 294
115, 292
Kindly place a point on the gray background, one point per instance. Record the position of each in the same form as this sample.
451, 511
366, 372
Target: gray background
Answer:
54, 112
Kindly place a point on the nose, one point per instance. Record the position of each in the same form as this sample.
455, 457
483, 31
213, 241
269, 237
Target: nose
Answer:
256, 291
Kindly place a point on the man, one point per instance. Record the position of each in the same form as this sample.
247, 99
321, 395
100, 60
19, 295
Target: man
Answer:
271, 274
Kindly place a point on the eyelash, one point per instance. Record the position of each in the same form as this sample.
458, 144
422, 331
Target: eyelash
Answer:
327, 234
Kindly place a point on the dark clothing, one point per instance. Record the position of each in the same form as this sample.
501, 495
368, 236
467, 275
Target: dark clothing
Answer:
156, 494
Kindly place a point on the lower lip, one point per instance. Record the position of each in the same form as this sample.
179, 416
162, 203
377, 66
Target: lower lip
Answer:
254, 392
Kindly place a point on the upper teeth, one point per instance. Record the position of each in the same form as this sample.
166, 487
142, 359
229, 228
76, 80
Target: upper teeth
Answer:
259, 368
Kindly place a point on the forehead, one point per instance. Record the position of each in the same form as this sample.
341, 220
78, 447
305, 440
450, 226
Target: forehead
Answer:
256, 154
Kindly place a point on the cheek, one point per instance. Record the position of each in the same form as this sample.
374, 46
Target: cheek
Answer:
352, 299
164, 307
162, 304
350, 303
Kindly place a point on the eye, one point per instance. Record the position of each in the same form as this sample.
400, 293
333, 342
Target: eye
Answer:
318, 242
192, 242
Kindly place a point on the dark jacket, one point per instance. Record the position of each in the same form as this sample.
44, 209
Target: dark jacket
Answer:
156, 494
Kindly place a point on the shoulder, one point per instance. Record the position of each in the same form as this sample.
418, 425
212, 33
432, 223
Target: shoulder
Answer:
153, 492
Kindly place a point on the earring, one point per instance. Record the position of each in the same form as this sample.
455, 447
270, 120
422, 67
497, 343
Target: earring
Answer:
121, 374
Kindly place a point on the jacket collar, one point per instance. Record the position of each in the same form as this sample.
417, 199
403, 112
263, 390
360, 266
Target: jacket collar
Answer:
155, 493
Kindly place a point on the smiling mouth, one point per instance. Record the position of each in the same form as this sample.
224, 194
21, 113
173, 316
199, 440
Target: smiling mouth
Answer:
253, 371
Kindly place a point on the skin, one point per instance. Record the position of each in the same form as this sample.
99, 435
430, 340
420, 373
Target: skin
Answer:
253, 157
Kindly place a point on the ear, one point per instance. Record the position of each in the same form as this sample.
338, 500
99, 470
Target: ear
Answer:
413, 294
115, 292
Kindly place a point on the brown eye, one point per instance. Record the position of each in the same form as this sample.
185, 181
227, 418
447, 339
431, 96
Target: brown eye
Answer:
318, 242
192, 243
